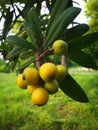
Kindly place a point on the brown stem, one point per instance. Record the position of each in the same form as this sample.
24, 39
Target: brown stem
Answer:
41, 55
63, 60
46, 52
37, 61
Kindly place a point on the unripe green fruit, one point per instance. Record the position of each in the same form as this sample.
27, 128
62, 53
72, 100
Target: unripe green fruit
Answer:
62, 72
60, 47
52, 86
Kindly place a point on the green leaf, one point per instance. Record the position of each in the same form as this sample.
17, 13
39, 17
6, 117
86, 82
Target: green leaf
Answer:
82, 59
26, 54
7, 23
38, 7
15, 53
59, 6
71, 88
26, 64
34, 24
60, 24
75, 32
19, 42
31, 35
83, 41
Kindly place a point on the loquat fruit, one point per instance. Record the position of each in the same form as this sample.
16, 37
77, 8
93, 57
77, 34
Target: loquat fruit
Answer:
31, 88
48, 71
31, 75
62, 72
40, 96
60, 47
21, 82
52, 86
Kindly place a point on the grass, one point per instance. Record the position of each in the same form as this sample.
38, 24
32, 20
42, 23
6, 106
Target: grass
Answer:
61, 112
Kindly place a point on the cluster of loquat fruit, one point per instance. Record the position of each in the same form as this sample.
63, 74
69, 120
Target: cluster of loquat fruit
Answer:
43, 82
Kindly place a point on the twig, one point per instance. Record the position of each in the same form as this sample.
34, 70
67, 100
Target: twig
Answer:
63, 60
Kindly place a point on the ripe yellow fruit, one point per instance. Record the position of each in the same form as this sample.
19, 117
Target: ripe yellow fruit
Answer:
31, 88
48, 71
31, 75
52, 86
21, 82
40, 96
62, 72
60, 47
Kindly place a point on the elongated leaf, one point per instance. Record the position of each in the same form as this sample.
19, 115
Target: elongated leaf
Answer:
75, 32
38, 7
82, 59
59, 6
26, 64
71, 88
32, 37
83, 41
35, 25
26, 54
61, 24
19, 42
7, 23
15, 53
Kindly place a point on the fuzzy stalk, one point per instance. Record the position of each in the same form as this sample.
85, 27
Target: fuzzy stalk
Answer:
63, 60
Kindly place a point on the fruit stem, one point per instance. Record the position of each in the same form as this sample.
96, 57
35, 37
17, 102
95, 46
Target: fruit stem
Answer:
63, 60
43, 54
46, 52
38, 61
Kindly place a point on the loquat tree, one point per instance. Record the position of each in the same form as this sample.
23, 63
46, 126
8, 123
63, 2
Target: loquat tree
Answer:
91, 8
42, 37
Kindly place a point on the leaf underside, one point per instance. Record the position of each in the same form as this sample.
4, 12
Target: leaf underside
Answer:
71, 88
83, 59
83, 41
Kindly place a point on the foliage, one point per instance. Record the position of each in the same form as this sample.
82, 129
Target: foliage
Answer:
33, 43
5, 67
91, 11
